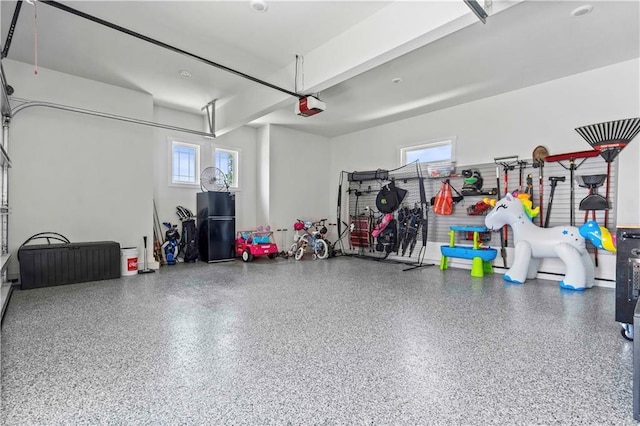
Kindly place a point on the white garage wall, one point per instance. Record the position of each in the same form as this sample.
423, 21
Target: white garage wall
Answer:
168, 197
513, 124
86, 177
298, 178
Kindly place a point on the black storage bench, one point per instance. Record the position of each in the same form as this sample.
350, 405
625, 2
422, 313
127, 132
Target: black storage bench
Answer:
44, 265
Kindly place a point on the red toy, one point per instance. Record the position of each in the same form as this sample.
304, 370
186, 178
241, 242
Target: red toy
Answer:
256, 243
382, 225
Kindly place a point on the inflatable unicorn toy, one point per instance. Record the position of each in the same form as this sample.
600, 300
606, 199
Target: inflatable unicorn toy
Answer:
533, 243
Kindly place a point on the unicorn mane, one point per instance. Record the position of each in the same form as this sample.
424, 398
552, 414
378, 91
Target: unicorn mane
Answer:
527, 204
524, 198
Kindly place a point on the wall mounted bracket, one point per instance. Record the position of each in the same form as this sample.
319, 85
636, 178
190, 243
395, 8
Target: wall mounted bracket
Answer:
211, 116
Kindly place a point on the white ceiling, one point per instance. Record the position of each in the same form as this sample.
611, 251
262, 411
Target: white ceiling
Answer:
352, 51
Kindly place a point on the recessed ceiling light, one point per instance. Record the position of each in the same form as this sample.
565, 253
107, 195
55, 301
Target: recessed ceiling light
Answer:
259, 6
397, 80
582, 10
184, 74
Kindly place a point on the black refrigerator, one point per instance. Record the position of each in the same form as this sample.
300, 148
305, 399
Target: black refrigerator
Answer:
216, 226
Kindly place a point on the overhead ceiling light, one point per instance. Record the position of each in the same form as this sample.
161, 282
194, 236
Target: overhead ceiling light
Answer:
582, 10
259, 6
184, 74
397, 80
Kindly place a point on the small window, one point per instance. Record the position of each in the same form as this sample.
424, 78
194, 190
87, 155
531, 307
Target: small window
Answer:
227, 160
185, 163
441, 151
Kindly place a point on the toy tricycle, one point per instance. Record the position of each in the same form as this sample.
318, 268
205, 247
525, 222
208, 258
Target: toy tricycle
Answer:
255, 243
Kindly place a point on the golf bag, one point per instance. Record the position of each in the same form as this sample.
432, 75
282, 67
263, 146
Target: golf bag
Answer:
171, 243
189, 241
387, 240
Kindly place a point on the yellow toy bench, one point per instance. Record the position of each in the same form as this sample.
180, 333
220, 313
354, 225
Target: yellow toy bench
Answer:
481, 257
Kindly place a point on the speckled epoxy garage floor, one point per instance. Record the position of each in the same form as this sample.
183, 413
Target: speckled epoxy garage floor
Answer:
340, 341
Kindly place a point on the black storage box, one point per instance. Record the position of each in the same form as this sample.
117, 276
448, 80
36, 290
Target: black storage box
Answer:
627, 273
44, 265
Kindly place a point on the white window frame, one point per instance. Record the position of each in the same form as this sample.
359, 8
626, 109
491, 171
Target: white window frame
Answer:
181, 184
431, 144
235, 184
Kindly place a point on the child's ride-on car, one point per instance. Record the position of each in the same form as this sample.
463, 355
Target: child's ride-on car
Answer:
255, 243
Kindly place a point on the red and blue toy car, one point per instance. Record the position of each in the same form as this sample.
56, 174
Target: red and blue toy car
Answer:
250, 244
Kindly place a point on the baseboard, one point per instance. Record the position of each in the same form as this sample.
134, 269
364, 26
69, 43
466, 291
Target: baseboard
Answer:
551, 276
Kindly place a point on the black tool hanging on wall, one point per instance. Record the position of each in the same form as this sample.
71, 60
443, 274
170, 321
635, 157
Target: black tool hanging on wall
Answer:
593, 201
554, 182
423, 214
404, 217
508, 164
379, 174
413, 225
529, 188
539, 154
521, 166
